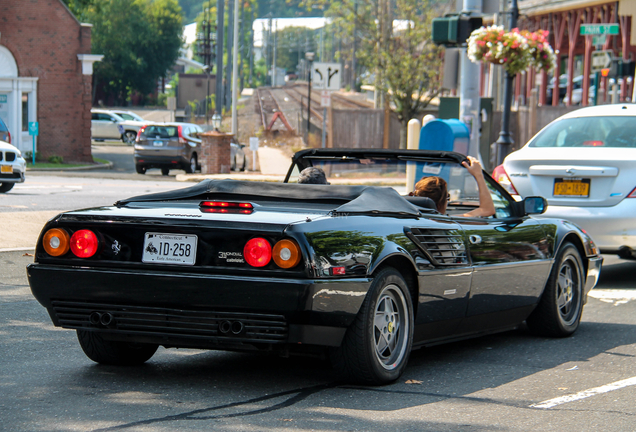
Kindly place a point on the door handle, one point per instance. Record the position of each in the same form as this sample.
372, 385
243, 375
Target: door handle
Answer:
474, 239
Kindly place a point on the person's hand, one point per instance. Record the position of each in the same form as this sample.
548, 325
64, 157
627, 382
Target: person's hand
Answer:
473, 166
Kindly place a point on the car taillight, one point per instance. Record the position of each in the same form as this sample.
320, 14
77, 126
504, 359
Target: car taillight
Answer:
226, 207
501, 176
286, 253
141, 131
632, 194
257, 252
56, 242
9, 137
84, 243
182, 140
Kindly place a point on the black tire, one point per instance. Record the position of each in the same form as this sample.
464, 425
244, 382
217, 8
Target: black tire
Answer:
376, 348
129, 137
192, 167
166, 171
559, 311
244, 167
6, 187
104, 351
233, 164
140, 169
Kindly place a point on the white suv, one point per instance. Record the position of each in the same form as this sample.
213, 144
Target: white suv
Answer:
12, 166
106, 124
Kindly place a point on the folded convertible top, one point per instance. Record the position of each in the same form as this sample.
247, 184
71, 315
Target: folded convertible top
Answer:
371, 200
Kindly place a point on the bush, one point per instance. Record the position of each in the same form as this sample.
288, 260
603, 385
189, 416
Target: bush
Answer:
56, 159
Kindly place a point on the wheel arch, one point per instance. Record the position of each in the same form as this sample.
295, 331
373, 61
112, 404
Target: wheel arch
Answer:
405, 266
575, 239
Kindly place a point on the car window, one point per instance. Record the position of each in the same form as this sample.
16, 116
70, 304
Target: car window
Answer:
503, 207
94, 116
161, 131
618, 131
126, 116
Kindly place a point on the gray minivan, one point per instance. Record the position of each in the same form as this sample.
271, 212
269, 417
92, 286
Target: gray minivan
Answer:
168, 146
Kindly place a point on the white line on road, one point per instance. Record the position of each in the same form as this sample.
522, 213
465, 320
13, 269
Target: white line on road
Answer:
586, 393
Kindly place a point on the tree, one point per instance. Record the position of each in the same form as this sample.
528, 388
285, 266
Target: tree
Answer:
394, 42
140, 41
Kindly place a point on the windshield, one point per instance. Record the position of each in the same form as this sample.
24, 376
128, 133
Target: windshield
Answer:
588, 132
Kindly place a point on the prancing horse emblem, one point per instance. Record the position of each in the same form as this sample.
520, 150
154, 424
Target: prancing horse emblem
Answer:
116, 247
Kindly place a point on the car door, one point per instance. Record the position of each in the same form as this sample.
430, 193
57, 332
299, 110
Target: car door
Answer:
511, 262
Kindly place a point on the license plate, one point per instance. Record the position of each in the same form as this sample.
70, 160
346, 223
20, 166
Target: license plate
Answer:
6, 169
572, 187
157, 143
169, 248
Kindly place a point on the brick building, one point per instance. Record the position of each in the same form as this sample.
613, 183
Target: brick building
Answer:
46, 70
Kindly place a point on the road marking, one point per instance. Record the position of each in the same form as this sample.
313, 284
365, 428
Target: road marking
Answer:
616, 296
586, 393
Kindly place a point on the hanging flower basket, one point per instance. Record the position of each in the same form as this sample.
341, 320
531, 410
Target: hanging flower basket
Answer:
515, 50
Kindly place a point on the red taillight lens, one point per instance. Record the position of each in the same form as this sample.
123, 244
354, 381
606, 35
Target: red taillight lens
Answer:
9, 137
286, 253
257, 252
141, 131
182, 140
632, 194
56, 242
84, 243
501, 176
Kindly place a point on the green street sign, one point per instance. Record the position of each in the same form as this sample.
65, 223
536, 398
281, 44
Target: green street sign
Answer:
599, 29
34, 128
3, 98
599, 40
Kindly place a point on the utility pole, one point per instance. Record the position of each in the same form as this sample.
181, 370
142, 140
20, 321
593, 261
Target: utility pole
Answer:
469, 100
219, 56
505, 141
228, 66
235, 83
274, 54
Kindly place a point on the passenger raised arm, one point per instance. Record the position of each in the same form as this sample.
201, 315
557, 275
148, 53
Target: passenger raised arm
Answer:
486, 206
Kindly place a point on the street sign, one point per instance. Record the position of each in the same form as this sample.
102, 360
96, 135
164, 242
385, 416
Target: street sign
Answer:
601, 60
3, 98
34, 128
599, 40
326, 76
325, 99
599, 29
254, 143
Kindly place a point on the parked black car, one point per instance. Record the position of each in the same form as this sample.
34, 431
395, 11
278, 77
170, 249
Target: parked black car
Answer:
358, 272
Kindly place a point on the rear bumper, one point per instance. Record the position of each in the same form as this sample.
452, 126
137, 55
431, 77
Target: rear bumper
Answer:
193, 310
611, 228
161, 161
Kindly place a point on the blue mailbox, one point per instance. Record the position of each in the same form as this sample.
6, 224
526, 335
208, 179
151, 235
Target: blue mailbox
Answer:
441, 135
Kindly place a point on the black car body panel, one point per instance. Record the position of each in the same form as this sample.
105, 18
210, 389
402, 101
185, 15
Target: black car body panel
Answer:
466, 276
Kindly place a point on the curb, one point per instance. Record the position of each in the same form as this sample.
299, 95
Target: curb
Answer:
108, 165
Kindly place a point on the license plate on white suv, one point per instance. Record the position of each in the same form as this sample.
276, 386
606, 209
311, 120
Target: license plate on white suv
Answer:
169, 249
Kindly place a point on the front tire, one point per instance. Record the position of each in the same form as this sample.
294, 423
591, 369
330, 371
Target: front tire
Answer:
165, 171
129, 137
117, 353
559, 311
376, 347
6, 187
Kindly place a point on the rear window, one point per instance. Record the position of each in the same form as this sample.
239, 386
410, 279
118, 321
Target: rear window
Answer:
589, 132
161, 131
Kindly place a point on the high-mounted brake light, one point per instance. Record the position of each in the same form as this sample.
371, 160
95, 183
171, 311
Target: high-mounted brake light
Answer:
286, 253
501, 176
56, 242
84, 243
257, 252
226, 207
632, 194
593, 143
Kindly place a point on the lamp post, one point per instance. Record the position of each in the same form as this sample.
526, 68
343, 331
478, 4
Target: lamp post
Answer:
309, 56
505, 141
216, 122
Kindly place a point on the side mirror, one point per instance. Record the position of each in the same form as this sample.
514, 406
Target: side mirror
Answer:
535, 205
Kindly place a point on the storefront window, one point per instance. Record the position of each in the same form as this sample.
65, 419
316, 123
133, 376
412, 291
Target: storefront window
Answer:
25, 112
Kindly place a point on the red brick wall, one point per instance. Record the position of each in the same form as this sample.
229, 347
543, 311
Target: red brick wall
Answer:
215, 153
45, 39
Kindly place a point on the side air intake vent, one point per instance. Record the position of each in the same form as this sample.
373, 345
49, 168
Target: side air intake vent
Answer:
443, 247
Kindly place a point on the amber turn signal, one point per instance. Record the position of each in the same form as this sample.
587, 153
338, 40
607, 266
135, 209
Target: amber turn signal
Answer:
56, 242
286, 253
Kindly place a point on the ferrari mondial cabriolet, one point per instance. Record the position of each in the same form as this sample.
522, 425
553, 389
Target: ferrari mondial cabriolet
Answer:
356, 269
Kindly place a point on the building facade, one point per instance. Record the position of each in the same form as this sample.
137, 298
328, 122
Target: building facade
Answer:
46, 70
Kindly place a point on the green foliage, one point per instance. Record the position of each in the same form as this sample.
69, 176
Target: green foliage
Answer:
56, 159
290, 46
140, 40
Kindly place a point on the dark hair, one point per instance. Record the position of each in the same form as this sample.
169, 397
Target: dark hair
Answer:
433, 187
312, 175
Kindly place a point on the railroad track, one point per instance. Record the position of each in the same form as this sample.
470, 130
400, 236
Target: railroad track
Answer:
266, 105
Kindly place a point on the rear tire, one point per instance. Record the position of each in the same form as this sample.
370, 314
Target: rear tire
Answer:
140, 169
129, 137
376, 347
104, 351
6, 187
192, 167
165, 171
559, 311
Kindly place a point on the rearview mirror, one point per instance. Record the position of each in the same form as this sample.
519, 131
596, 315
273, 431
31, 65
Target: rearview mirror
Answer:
535, 205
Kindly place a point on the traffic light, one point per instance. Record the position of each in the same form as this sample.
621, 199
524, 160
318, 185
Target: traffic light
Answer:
454, 29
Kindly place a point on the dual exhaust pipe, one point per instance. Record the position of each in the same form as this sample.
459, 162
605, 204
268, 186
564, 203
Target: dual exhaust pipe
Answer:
104, 319
234, 327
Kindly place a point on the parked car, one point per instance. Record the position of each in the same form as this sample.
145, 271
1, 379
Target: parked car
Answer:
106, 124
238, 160
563, 82
129, 115
356, 272
5, 135
577, 90
584, 163
12, 166
168, 146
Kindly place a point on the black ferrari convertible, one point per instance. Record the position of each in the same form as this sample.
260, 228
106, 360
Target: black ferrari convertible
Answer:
355, 269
